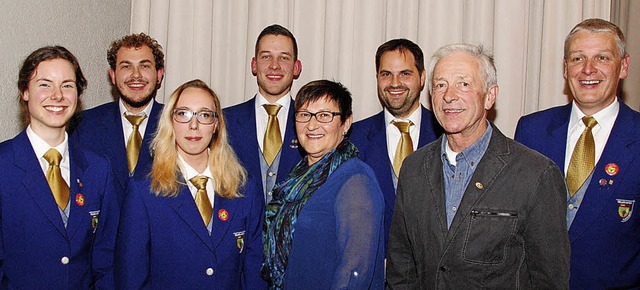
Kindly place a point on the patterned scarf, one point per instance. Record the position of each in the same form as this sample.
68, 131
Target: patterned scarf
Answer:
289, 197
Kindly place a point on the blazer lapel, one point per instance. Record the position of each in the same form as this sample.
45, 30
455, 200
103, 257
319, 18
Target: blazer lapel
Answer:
432, 170
377, 137
247, 148
145, 158
490, 166
619, 151
35, 182
77, 212
291, 152
185, 207
429, 131
557, 130
224, 212
114, 140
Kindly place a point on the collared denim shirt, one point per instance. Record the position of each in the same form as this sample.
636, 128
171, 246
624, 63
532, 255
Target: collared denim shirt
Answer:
457, 178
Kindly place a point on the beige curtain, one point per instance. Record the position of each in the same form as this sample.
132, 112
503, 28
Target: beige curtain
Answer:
337, 39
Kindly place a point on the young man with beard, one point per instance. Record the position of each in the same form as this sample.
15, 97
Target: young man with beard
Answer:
400, 75
255, 126
123, 129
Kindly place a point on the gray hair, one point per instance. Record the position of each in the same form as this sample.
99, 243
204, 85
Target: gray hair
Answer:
484, 57
597, 25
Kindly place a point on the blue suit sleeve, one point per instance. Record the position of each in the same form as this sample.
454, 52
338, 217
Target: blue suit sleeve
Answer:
133, 243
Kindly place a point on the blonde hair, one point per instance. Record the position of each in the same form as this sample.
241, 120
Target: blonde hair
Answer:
228, 175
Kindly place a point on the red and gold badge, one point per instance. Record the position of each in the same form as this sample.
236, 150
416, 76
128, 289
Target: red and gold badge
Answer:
79, 199
223, 215
612, 169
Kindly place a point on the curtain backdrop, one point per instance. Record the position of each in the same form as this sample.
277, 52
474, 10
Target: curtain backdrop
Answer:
337, 39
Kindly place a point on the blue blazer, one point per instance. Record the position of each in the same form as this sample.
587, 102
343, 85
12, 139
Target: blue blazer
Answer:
163, 243
605, 249
241, 127
101, 131
34, 244
370, 136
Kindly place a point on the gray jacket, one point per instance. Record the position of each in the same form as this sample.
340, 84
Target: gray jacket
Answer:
509, 231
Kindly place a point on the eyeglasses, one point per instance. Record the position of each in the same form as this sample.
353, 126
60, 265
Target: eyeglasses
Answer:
322, 116
204, 117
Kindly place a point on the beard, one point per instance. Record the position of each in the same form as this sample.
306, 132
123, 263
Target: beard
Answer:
139, 103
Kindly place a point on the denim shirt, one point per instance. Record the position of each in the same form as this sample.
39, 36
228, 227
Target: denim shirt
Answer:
456, 178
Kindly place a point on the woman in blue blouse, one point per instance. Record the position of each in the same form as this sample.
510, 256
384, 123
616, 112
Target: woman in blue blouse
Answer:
324, 226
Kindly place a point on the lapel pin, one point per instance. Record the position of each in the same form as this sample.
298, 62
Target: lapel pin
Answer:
79, 182
223, 215
611, 169
79, 199
603, 182
479, 185
610, 181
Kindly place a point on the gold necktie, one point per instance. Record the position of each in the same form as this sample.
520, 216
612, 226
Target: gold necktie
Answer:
59, 187
135, 141
272, 140
202, 200
405, 145
583, 157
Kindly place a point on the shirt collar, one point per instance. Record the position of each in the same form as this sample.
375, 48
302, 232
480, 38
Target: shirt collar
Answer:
40, 147
415, 117
284, 101
473, 153
605, 117
188, 172
123, 109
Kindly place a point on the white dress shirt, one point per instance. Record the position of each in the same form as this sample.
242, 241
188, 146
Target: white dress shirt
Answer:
40, 147
188, 172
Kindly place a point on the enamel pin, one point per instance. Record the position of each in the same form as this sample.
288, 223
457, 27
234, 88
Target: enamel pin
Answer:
223, 215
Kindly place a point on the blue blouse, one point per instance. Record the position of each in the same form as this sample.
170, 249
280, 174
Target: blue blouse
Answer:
338, 239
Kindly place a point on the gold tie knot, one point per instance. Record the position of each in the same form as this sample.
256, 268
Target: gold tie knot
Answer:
135, 141
272, 138
589, 121
583, 157
135, 120
202, 199
405, 145
53, 157
58, 186
403, 126
272, 110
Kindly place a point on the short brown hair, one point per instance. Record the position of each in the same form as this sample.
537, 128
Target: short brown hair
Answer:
136, 40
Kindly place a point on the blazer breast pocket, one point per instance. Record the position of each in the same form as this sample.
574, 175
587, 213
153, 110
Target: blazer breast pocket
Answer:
488, 235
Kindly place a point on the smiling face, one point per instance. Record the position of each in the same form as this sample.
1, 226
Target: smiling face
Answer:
458, 99
193, 138
275, 67
399, 83
319, 138
52, 97
593, 68
136, 76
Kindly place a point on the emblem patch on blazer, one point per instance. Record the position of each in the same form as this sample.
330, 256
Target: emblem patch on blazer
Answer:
612, 169
239, 240
625, 209
94, 219
79, 199
223, 215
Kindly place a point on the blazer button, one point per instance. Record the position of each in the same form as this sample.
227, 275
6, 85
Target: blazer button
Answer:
444, 269
209, 271
64, 260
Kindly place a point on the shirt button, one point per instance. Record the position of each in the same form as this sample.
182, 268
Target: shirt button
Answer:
443, 269
209, 272
64, 260
571, 206
454, 208
271, 174
270, 193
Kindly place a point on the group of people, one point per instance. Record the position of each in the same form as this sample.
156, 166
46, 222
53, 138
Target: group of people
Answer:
289, 193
